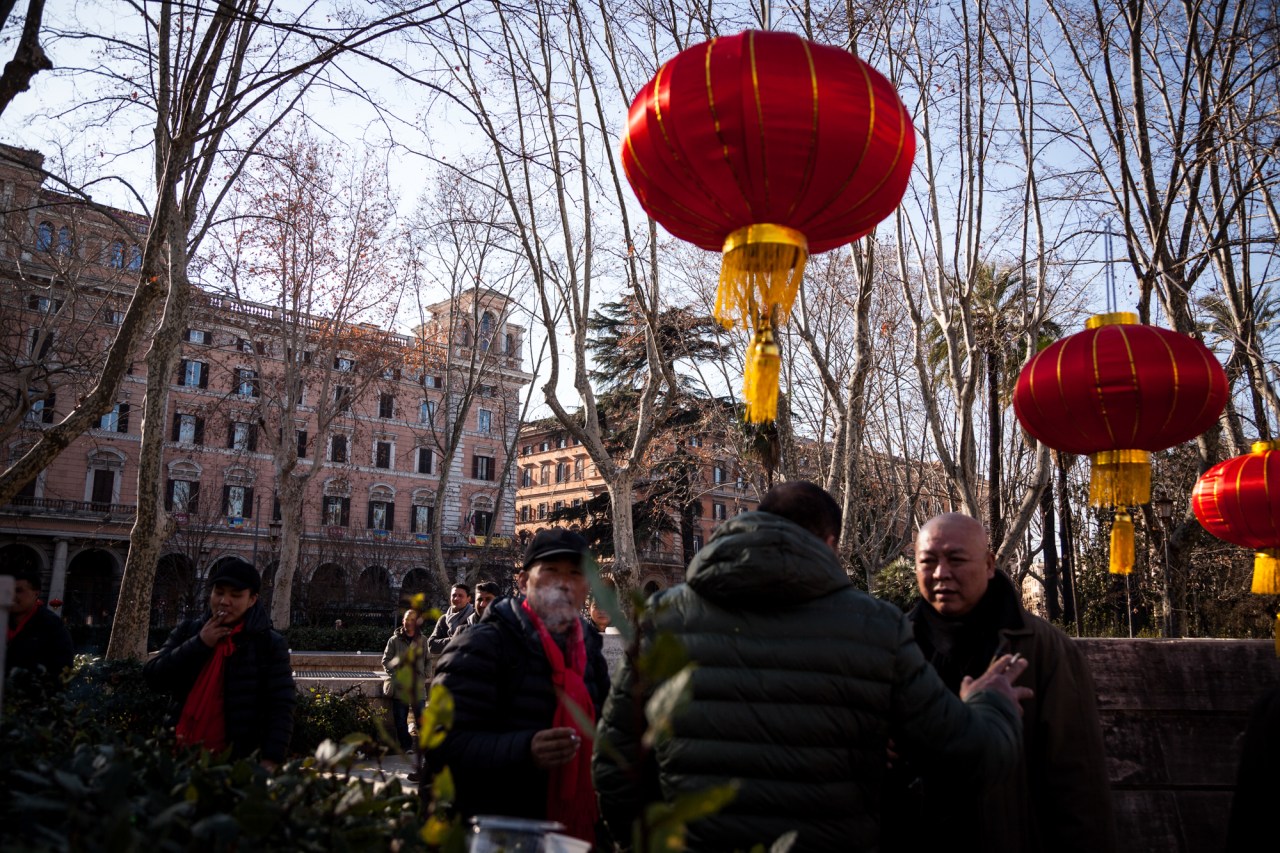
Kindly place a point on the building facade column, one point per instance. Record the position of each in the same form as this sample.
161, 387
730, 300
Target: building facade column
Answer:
58, 581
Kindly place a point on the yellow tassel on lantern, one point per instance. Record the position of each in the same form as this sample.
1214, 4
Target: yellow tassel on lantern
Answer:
1122, 544
1120, 478
761, 269
760, 379
1266, 572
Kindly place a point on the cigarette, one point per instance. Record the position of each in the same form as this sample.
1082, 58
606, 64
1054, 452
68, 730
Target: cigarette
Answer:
1015, 659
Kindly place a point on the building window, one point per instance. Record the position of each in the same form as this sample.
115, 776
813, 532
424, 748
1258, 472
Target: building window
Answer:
524, 513
695, 441
427, 412
482, 467
717, 475
302, 443
41, 411
116, 420
44, 236
382, 454
386, 405
344, 365
717, 512
526, 450
197, 336
697, 541
526, 477
562, 472
542, 511
484, 420
422, 518
182, 496
511, 344
112, 317
558, 506
115, 255
544, 447
242, 437
103, 489
135, 258
562, 442
338, 449
41, 344
482, 522
741, 485
382, 515
64, 241
247, 382
193, 374
577, 469
188, 429
424, 460
237, 501
336, 511
342, 398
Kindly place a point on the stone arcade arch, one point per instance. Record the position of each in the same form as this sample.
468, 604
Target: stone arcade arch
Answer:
177, 592
92, 586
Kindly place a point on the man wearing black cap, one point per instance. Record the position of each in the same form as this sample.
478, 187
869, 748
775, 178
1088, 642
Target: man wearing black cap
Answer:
228, 672
527, 683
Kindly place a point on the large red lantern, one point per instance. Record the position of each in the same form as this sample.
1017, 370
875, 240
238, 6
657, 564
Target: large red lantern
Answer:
1118, 391
768, 148
1239, 502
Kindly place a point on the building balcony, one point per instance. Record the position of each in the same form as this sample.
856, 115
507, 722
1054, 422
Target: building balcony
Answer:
60, 508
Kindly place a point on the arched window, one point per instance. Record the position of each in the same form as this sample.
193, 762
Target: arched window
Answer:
135, 258
64, 241
486, 324
44, 236
115, 255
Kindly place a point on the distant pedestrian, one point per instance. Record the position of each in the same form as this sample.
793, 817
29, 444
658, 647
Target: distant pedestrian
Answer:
228, 672
487, 592
38, 641
406, 651
453, 619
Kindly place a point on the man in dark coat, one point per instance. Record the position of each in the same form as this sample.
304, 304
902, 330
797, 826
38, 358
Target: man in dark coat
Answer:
229, 673
452, 620
515, 747
799, 678
1058, 798
38, 641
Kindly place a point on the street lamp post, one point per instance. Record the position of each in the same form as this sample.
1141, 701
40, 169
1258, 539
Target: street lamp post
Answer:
1163, 506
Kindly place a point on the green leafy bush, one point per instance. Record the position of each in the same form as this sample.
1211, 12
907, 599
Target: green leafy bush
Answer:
323, 715
358, 638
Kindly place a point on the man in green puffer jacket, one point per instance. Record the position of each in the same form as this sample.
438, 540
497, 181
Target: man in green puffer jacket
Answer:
799, 678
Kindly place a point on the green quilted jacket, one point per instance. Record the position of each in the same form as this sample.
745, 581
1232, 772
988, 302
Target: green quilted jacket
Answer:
799, 679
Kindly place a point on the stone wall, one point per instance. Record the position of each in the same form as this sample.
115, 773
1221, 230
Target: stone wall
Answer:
1173, 715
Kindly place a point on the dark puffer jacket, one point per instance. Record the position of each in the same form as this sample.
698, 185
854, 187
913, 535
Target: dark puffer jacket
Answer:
501, 685
799, 678
258, 693
43, 643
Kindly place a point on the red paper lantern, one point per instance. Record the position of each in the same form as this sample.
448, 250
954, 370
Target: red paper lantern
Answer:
1118, 391
767, 147
1239, 502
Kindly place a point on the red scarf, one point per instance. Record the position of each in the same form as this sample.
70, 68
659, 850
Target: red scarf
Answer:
22, 623
202, 722
571, 798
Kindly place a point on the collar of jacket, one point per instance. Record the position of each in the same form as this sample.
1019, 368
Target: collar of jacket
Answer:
508, 614
758, 559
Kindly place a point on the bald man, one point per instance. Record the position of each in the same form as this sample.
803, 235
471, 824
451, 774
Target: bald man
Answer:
1058, 797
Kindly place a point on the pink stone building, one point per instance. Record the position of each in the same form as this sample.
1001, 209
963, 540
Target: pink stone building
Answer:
369, 514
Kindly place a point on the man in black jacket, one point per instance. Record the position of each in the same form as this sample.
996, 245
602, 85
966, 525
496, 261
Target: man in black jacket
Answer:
799, 678
229, 673
38, 641
516, 747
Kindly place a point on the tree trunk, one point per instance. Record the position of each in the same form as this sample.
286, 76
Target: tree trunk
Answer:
1070, 613
626, 564
995, 519
290, 495
151, 527
1050, 551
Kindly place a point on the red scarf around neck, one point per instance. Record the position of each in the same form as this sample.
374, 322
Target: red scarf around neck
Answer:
571, 798
202, 722
10, 633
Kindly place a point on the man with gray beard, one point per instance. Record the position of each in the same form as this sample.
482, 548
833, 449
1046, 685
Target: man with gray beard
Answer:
527, 683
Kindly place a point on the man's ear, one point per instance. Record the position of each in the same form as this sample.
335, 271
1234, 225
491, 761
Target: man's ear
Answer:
991, 564
833, 542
